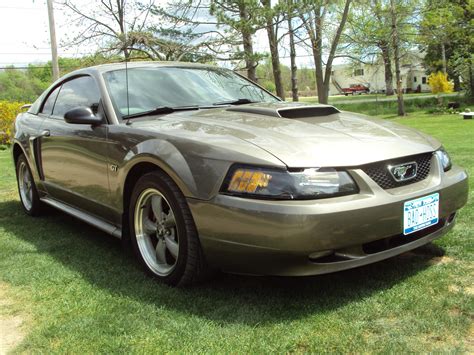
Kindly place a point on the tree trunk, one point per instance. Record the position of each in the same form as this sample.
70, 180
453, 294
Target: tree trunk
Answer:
387, 62
396, 53
250, 64
123, 31
332, 52
275, 57
275, 61
249, 56
294, 68
443, 56
471, 81
318, 60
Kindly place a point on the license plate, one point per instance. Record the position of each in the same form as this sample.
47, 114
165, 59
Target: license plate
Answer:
420, 213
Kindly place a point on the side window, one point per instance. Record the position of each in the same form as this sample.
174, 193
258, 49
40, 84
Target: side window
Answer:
82, 91
49, 103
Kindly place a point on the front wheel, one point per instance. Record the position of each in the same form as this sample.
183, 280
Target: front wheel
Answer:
163, 233
27, 189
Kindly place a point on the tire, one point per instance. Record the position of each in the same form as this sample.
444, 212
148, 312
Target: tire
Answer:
162, 232
29, 196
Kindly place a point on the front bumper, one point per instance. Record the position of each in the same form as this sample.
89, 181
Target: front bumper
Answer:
321, 236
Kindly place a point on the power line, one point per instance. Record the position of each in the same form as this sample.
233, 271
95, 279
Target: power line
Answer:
43, 53
20, 8
34, 67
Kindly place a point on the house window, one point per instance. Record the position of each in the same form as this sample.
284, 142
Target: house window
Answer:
414, 79
359, 72
423, 80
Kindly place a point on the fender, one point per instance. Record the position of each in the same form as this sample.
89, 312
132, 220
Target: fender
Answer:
167, 157
26, 130
154, 151
27, 150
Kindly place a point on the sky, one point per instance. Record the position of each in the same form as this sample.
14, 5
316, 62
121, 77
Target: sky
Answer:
25, 34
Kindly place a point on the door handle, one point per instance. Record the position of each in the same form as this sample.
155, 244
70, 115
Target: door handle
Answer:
45, 133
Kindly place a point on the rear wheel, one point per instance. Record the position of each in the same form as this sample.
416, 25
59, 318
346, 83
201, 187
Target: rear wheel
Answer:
163, 233
27, 189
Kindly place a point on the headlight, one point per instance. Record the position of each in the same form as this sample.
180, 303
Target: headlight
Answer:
288, 185
444, 158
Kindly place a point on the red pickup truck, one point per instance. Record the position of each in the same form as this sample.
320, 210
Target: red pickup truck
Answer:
355, 89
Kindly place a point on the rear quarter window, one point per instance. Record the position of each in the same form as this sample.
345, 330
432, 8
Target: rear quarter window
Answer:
78, 92
49, 102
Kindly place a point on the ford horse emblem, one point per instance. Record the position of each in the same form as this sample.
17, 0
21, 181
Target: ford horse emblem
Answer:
403, 172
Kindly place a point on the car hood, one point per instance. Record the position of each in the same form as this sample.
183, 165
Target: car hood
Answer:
308, 136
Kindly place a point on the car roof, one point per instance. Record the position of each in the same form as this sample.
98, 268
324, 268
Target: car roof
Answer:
103, 68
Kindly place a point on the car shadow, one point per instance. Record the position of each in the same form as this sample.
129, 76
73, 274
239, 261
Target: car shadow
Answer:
101, 261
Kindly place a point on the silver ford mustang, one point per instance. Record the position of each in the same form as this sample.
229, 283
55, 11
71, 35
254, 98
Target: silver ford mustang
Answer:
196, 168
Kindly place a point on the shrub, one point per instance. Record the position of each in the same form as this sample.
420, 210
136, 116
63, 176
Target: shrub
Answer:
426, 104
269, 86
8, 113
439, 83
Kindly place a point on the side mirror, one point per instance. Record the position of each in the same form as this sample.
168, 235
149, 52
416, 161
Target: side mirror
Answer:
82, 115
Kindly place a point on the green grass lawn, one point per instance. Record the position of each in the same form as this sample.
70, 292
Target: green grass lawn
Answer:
79, 292
414, 103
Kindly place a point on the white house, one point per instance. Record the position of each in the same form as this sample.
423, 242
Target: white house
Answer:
414, 78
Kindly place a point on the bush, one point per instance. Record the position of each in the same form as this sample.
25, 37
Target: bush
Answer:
439, 83
269, 86
8, 113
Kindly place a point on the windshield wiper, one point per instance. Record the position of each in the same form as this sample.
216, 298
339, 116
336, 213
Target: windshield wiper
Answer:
160, 110
241, 101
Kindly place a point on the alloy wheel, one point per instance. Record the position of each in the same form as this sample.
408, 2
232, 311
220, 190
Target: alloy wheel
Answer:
25, 183
156, 232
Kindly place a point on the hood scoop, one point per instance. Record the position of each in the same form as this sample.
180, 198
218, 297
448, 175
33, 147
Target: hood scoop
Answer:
287, 112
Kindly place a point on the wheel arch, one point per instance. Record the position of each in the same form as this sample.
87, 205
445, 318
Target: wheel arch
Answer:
17, 150
140, 166
137, 171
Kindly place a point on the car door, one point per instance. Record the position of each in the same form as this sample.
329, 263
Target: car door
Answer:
74, 156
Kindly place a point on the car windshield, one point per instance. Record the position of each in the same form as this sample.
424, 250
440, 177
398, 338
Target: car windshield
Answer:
174, 87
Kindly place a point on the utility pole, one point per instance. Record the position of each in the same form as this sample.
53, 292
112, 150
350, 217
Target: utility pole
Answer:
54, 46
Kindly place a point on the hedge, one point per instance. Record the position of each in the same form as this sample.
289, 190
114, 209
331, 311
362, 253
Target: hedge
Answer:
8, 112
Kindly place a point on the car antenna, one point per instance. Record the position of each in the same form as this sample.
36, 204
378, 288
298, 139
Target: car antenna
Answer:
125, 52
126, 88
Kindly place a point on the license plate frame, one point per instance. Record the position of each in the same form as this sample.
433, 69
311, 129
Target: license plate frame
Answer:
420, 213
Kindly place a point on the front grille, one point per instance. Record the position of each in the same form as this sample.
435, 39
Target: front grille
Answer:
380, 174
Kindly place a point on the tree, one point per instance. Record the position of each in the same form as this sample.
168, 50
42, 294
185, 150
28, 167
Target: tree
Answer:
19, 85
271, 16
188, 31
291, 14
244, 17
437, 27
451, 47
396, 54
118, 26
314, 16
368, 37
